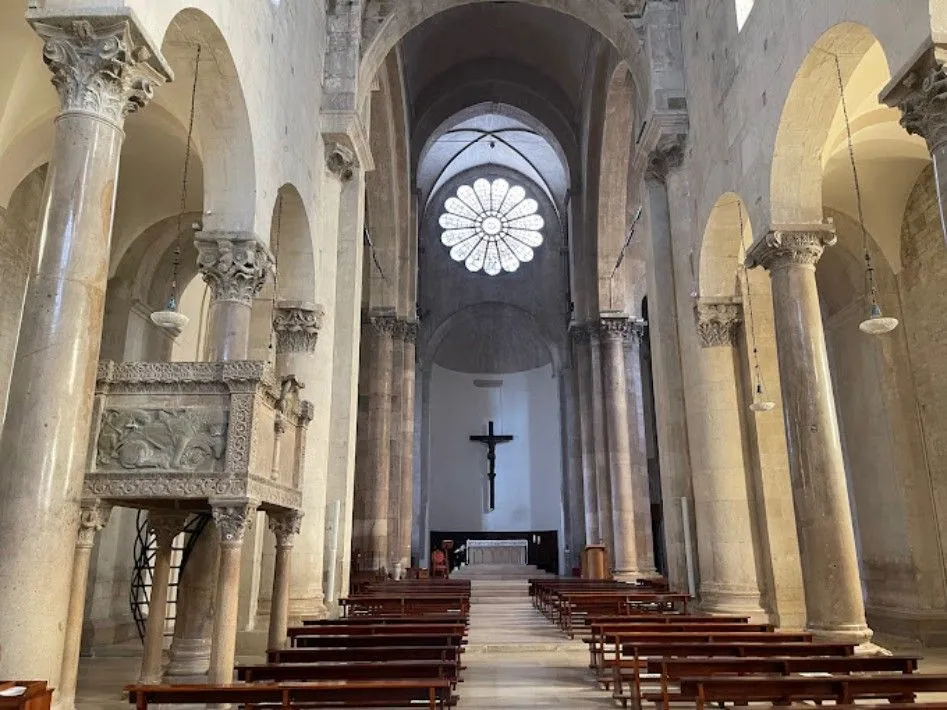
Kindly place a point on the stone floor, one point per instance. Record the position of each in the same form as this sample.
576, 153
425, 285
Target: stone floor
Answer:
515, 659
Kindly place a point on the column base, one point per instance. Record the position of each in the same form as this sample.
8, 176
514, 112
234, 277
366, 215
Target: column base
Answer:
858, 634
733, 602
313, 607
189, 658
621, 575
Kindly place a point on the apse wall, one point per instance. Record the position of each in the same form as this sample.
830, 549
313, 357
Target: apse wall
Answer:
529, 469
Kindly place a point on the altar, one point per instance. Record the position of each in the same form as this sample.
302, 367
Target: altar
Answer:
497, 552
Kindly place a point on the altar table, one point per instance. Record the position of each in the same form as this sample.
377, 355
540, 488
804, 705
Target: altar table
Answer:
497, 552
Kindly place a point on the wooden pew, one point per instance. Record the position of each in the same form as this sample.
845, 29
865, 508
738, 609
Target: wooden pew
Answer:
373, 654
349, 641
842, 689
671, 670
357, 670
405, 605
294, 632
388, 620
366, 693
598, 633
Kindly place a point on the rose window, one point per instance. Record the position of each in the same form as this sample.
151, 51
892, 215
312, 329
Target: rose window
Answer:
491, 226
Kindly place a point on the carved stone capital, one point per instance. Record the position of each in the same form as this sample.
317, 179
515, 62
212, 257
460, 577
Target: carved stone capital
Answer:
166, 525
796, 245
98, 67
579, 333
233, 519
285, 526
668, 155
381, 324
407, 331
717, 322
233, 265
920, 92
93, 515
297, 326
341, 161
611, 328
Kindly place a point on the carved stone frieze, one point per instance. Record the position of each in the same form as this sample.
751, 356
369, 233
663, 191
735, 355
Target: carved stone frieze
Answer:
164, 486
166, 525
97, 67
233, 519
234, 266
285, 525
717, 322
93, 516
297, 326
341, 161
183, 439
800, 245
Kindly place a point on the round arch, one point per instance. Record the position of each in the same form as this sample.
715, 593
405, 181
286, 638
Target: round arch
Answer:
603, 17
291, 241
722, 246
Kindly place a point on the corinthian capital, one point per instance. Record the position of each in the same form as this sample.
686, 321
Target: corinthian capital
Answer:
233, 519
924, 109
717, 321
381, 323
614, 327
233, 265
93, 515
297, 326
285, 526
407, 331
99, 66
800, 245
166, 525
667, 156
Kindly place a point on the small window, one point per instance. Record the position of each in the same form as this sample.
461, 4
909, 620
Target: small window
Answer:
492, 226
744, 7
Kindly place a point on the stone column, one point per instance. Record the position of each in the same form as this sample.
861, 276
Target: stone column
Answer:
232, 518
919, 91
92, 518
102, 70
285, 526
409, 334
371, 523
297, 327
613, 330
834, 603
583, 374
722, 503
638, 449
603, 482
234, 265
165, 527
395, 451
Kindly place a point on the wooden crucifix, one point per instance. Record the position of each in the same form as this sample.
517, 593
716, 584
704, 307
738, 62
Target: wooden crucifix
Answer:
491, 440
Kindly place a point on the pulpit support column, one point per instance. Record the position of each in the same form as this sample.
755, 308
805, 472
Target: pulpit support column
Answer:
285, 527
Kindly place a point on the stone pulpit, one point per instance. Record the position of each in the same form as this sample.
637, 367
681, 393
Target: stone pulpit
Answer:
178, 438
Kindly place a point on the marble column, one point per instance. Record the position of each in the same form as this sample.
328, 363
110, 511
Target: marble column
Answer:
918, 91
297, 326
102, 70
612, 331
583, 374
285, 526
722, 503
395, 450
232, 518
92, 518
638, 448
409, 336
834, 605
165, 526
234, 265
373, 470
603, 484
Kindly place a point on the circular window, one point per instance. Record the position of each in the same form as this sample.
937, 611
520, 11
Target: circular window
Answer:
491, 226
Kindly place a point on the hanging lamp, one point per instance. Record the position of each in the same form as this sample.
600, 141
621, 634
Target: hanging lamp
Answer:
877, 323
170, 318
760, 401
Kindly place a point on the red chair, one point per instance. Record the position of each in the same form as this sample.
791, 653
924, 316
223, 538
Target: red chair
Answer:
439, 564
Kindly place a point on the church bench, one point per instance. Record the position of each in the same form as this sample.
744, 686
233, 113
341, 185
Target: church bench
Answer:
599, 632
842, 689
459, 629
432, 619
405, 605
360, 670
670, 670
435, 692
348, 641
573, 606
373, 654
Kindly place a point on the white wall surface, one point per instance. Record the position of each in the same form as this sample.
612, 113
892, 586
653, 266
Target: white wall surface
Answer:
529, 468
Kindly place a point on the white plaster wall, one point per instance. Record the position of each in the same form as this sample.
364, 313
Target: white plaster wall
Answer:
529, 470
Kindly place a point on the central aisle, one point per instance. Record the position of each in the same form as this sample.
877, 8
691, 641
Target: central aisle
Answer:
516, 658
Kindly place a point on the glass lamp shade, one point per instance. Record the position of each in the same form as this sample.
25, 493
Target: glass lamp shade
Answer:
877, 323
760, 403
169, 318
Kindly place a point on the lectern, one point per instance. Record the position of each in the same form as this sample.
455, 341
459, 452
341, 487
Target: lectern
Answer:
593, 562
34, 696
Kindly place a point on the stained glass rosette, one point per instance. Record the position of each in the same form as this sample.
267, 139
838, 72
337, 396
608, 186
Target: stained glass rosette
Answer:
491, 226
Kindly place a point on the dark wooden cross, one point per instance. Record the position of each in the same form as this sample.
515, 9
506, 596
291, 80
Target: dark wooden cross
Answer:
491, 440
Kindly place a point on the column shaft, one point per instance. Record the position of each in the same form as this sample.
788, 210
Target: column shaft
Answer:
165, 527
583, 375
638, 450
834, 603
285, 527
613, 332
409, 378
44, 445
603, 482
395, 453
